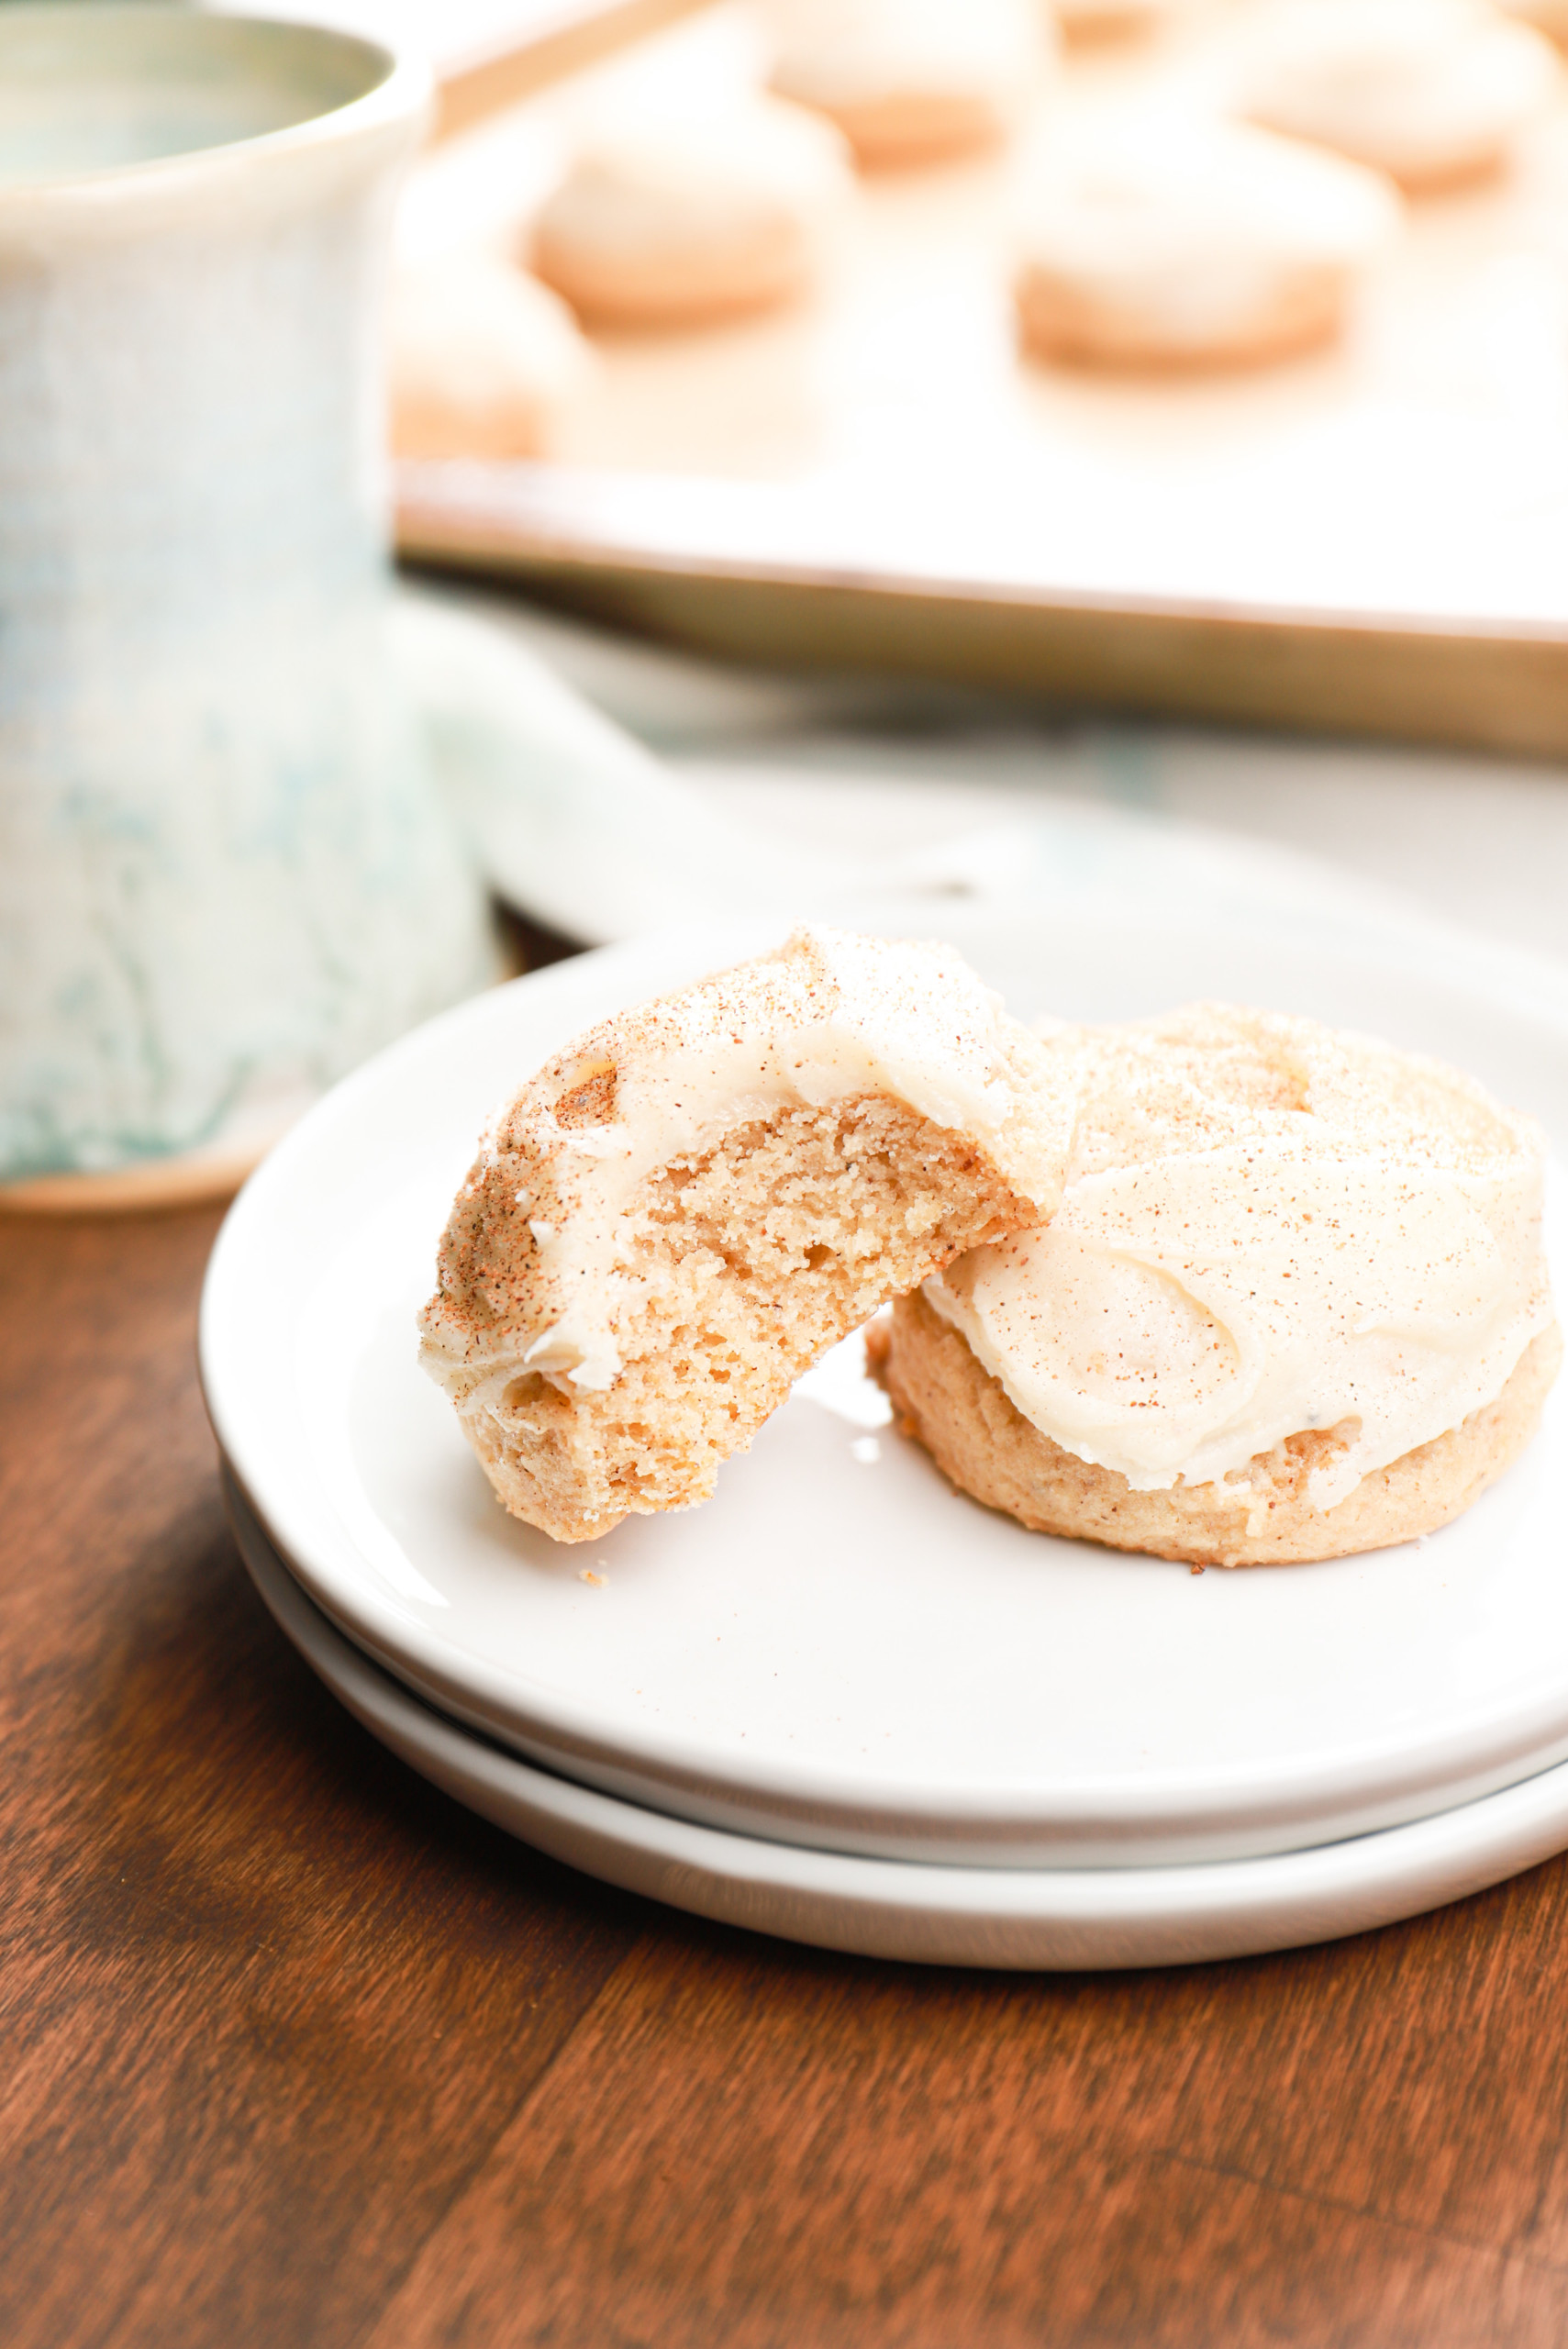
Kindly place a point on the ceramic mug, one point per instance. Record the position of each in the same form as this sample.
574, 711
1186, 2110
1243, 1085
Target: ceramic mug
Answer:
224, 873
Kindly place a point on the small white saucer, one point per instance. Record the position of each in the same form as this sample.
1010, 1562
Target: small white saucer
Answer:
838, 1650
1050, 1919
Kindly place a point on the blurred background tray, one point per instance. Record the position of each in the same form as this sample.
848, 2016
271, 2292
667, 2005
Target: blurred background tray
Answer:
488, 53
1370, 539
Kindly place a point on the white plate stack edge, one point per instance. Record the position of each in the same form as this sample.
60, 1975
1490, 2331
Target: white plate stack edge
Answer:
841, 1703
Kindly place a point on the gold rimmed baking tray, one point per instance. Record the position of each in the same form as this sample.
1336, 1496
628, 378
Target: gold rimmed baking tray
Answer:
1367, 539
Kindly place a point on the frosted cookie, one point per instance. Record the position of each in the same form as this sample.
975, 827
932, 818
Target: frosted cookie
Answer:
1430, 91
913, 81
1293, 1304
482, 361
1159, 243
687, 219
1093, 20
1549, 16
691, 1204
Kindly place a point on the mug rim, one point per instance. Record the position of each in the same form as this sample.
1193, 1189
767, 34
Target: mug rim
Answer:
401, 96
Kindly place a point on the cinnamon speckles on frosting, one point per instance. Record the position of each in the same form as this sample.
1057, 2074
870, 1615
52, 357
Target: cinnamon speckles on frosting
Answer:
1266, 1227
535, 1264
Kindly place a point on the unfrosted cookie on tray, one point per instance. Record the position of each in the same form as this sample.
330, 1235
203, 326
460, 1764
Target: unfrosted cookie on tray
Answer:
1094, 20
679, 220
911, 82
1433, 91
689, 1205
484, 361
1152, 243
1294, 1303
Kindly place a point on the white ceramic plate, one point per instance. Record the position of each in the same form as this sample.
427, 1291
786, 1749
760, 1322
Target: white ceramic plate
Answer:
838, 1650
1051, 1919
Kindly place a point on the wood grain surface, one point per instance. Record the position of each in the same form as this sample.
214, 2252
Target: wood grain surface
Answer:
295, 2051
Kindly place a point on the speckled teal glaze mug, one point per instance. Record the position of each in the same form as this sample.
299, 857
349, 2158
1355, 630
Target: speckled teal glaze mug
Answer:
225, 875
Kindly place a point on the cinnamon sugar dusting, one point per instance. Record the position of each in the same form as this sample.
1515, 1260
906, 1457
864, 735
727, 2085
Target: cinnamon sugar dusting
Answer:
677, 1215
1270, 1232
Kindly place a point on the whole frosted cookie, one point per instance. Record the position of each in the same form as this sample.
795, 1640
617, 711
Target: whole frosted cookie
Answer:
682, 219
913, 81
689, 1205
1161, 243
1430, 91
1293, 1305
483, 360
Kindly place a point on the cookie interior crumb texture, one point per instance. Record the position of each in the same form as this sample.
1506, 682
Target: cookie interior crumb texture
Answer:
687, 1207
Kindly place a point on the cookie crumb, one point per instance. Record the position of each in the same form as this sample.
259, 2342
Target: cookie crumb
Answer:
1197, 1570
586, 1574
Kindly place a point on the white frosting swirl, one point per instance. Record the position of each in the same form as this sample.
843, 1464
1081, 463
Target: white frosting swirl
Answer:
1266, 1227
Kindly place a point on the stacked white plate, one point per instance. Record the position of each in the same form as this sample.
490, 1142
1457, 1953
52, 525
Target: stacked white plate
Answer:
841, 1702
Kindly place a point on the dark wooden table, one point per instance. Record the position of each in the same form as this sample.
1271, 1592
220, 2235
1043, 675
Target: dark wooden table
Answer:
296, 2051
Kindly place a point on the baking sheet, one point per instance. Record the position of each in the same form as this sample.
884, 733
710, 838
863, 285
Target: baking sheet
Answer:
486, 54
1370, 537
